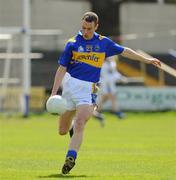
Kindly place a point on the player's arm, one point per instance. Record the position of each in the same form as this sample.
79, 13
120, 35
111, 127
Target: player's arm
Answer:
58, 79
131, 54
64, 62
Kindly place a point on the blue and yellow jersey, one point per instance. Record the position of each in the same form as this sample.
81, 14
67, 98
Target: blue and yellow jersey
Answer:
84, 58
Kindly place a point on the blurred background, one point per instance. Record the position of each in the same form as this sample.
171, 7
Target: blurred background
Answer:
33, 34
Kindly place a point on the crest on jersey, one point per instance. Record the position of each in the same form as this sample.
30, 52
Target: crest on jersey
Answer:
97, 47
80, 49
89, 48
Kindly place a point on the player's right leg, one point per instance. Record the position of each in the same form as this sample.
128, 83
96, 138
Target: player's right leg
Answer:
65, 122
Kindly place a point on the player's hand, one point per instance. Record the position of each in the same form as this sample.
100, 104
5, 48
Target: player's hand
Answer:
53, 94
153, 61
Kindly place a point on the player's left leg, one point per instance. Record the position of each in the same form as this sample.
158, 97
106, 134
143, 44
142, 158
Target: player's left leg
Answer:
83, 113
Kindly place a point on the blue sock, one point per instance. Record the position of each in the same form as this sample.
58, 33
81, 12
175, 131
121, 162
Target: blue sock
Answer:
72, 153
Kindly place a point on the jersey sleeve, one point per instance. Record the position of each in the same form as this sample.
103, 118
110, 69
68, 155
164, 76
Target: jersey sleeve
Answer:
66, 56
113, 48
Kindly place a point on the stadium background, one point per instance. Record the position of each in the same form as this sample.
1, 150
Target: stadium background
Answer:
151, 28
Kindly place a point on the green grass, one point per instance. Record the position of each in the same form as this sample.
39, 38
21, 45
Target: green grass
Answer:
141, 147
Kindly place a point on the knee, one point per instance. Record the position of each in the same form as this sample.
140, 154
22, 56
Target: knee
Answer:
79, 126
62, 131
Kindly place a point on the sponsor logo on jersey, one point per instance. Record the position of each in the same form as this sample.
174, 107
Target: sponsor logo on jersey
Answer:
92, 58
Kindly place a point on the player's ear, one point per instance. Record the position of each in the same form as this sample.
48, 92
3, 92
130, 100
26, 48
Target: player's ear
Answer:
96, 26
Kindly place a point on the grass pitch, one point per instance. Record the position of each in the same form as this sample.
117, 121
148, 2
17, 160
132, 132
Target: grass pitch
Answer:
143, 146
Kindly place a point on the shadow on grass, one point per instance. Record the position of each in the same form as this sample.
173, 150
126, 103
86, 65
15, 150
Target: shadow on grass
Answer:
63, 176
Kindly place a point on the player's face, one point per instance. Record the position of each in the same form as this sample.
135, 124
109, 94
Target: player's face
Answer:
88, 29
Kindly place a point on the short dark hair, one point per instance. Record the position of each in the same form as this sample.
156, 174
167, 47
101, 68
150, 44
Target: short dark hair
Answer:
90, 17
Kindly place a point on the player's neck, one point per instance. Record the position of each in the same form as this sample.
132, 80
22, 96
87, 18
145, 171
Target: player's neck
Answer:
88, 38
